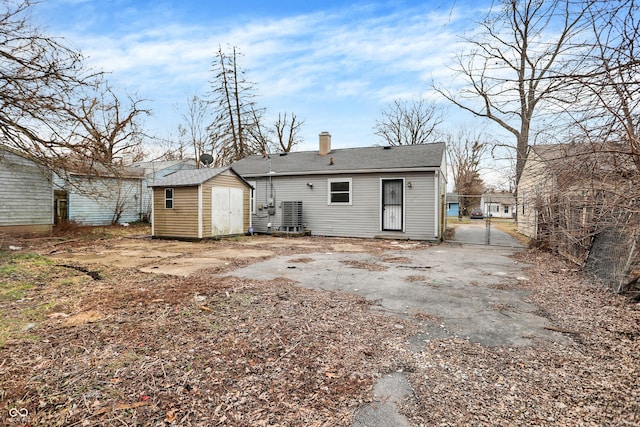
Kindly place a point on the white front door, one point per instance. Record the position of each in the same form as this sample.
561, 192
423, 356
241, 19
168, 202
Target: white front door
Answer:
226, 211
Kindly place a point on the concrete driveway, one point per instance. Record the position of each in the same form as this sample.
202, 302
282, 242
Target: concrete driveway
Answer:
467, 289
481, 232
466, 286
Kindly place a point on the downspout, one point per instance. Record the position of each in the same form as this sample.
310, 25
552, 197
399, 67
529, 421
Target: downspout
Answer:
141, 213
200, 232
436, 191
153, 210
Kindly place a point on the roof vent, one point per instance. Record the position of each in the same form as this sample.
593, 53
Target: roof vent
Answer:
386, 147
283, 154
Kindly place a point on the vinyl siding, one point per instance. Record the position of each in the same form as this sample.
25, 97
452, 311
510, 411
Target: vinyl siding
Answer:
182, 220
362, 218
26, 194
534, 183
94, 201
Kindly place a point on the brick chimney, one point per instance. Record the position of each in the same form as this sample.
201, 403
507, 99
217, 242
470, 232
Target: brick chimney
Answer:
325, 143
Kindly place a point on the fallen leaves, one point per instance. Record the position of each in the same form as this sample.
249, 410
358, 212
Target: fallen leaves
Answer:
204, 351
258, 353
588, 377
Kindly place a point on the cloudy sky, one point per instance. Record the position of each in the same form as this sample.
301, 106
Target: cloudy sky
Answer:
335, 64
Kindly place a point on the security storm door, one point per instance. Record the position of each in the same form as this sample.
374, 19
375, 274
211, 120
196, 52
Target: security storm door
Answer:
392, 204
226, 211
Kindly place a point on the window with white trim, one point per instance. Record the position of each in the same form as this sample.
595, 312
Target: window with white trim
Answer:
339, 191
168, 198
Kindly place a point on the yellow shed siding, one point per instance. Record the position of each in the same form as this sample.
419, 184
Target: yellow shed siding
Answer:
182, 219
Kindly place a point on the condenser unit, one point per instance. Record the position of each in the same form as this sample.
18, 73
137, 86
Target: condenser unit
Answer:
292, 217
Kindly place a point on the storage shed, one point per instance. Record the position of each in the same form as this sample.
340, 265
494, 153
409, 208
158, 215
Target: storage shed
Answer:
201, 203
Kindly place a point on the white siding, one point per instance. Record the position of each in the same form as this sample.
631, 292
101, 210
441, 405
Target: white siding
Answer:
26, 192
95, 201
362, 218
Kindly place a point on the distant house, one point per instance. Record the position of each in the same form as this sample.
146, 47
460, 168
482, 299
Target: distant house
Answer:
157, 170
453, 204
391, 192
97, 195
200, 203
498, 205
26, 193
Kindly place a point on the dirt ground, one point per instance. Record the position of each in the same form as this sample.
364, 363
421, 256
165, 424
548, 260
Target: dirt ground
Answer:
113, 328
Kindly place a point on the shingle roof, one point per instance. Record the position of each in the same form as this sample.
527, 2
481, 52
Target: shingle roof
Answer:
347, 159
188, 178
503, 198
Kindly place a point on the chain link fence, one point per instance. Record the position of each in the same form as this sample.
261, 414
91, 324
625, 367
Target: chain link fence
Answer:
604, 242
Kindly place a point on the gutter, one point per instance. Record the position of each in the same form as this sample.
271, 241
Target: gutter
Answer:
341, 172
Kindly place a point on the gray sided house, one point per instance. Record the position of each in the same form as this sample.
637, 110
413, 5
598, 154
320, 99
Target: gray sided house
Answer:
26, 193
99, 196
200, 203
391, 192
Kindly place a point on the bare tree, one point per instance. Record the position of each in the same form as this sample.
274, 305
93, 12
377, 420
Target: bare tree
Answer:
258, 136
40, 79
609, 86
520, 58
287, 131
408, 122
584, 203
195, 119
236, 115
466, 152
104, 128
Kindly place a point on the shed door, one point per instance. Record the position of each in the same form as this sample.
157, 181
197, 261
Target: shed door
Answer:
226, 211
392, 204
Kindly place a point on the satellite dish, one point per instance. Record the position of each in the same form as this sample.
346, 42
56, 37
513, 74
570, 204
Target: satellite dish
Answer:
206, 159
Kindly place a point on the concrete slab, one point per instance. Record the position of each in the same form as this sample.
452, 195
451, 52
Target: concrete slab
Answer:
466, 287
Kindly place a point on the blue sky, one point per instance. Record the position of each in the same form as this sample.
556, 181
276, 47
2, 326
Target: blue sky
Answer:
334, 64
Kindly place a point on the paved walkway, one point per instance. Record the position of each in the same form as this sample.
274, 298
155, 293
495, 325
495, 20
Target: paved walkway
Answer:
477, 233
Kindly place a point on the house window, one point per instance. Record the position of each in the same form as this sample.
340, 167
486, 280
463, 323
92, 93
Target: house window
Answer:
506, 209
168, 198
339, 192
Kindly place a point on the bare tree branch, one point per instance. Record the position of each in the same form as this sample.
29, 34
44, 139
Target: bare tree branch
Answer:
408, 123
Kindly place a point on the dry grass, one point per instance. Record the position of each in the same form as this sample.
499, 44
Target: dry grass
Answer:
127, 348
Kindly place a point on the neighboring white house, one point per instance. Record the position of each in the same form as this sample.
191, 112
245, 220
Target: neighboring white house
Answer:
498, 205
26, 193
392, 191
155, 171
99, 196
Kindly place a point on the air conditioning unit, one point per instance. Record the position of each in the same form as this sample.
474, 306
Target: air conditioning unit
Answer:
292, 217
